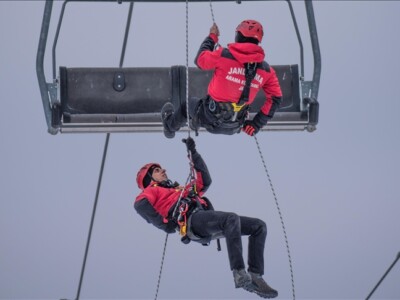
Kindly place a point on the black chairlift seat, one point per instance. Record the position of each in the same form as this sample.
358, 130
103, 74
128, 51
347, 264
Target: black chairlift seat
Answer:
86, 100
126, 99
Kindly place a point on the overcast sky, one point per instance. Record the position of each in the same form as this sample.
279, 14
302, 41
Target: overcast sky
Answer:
337, 187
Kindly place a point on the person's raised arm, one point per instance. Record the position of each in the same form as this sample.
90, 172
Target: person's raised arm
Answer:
207, 47
199, 164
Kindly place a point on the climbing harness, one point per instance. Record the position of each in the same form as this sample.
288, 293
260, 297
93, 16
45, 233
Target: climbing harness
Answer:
250, 73
228, 116
182, 218
165, 244
183, 209
187, 207
280, 215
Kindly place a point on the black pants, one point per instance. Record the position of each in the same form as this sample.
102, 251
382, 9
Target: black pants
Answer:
209, 115
178, 119
232, 227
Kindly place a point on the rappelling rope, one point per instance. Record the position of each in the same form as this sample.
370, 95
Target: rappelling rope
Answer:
280, 215
187, 68
162, 263
166, 237
192, 174
212, 11
187, 60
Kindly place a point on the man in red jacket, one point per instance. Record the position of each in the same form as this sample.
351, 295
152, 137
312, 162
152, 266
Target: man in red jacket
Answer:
171, 207
239, 73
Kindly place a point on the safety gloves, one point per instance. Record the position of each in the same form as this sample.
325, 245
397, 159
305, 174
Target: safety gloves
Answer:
252, 127
171, 226
214, 29
190, 145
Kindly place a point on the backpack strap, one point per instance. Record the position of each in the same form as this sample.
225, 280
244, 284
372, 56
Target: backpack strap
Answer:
250, 73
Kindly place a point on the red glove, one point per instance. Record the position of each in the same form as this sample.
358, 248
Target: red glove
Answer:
250, 128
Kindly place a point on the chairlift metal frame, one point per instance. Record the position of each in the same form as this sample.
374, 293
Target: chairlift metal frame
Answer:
303, 115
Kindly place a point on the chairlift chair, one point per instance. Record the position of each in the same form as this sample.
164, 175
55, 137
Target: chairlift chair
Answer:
129, 99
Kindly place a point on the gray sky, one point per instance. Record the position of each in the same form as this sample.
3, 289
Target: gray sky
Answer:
337, 187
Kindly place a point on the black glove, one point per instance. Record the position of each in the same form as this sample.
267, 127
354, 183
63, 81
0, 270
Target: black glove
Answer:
190, 144
171, 226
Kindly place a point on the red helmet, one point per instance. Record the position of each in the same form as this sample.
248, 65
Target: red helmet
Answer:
142, 174
251, 29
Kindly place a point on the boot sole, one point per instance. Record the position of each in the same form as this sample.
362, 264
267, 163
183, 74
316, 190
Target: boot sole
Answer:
166, 111
266, 296
248, 286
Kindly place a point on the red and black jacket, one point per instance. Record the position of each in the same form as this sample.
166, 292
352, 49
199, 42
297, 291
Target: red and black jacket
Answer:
157, 201
228, 80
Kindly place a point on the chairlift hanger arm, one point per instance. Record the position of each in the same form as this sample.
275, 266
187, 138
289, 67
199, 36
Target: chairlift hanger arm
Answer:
43, 86
315, 47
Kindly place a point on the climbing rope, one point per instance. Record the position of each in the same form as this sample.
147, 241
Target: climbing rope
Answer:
187, 60
166, 237
280, 215
216, 46
212, 11
162, 263
187, 68
190, 155
192, 174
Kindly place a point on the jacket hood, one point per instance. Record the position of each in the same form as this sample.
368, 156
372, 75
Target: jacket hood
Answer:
246, 52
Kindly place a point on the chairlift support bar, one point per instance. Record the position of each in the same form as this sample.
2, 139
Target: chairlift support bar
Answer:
303, 117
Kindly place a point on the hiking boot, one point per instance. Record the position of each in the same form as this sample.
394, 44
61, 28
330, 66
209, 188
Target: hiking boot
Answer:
261, 288
166, 112
242, 280
194, 122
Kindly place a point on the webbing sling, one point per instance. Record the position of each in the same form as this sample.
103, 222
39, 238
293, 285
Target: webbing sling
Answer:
250, 73
250, 70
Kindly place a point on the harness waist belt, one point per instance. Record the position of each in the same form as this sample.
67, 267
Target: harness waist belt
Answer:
191, 206
227, 106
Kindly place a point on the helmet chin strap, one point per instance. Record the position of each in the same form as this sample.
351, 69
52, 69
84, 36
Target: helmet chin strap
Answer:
168, 183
